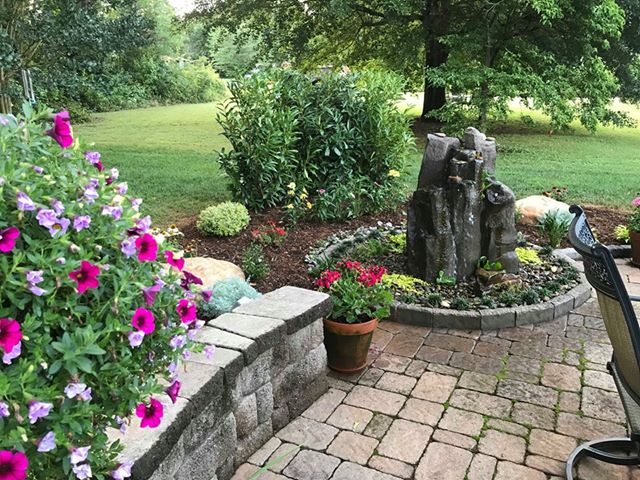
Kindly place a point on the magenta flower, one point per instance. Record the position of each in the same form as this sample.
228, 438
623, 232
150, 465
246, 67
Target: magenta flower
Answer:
122, 472
83, 471
186, 310
86, 276
4, 410
206, 295
173, 390
149, 293
24, 202
209, 351
636, 202
13, 465
128, 247
150, 414
147, 248
177, 263
47, 443
135, 338
81, 222
8, 238
79, 455
189, 279
61, 131
38, 410
143, 320
10, 334
15, 352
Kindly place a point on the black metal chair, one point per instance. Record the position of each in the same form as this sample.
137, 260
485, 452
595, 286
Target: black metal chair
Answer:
624, 332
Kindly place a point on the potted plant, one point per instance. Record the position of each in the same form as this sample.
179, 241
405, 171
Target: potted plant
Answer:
359, 302
634, 232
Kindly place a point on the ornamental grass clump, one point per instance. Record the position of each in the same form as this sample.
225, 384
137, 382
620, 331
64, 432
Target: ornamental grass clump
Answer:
357, 292
91, 316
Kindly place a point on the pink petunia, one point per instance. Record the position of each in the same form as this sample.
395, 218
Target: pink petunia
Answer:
61, 131
636, 202
10, 334
8, 238
177, 263
173, 390
86, 276
147, 248
151, 414
143, 320
186, 310
13, 465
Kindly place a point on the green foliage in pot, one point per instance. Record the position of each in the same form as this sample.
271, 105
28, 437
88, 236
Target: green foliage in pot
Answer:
358, 293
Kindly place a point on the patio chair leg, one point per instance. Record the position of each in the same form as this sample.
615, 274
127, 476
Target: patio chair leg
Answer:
619, 451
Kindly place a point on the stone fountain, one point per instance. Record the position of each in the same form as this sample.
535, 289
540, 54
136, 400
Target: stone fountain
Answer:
459, 212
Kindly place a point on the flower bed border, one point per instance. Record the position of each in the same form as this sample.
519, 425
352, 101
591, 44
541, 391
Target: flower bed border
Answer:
495, 318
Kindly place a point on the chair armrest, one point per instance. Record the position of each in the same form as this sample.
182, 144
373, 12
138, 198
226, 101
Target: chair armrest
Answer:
634, 298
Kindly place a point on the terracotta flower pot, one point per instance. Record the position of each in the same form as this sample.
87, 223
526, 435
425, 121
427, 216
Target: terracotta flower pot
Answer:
635, 248
348, 344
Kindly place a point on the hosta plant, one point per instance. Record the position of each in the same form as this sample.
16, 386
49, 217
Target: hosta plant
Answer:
93, 311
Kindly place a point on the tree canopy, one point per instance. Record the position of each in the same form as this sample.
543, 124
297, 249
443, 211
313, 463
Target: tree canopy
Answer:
567, 57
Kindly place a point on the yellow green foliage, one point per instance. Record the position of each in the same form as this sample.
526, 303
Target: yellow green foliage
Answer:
528, 256
621, 233
397, 243
404, 283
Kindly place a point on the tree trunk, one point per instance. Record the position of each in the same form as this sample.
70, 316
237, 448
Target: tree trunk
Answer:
436, 23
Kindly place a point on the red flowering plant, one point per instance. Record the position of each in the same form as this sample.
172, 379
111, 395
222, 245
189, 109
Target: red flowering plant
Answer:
357, 292
93, 322
270, 234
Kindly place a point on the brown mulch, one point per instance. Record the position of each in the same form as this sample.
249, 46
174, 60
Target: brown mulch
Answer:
287, 265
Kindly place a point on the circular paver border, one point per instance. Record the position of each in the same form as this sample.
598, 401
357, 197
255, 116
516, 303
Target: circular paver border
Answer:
495, 318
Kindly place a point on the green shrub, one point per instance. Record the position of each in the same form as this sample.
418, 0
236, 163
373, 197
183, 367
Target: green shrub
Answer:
254, 263
339, 138
460, 303
223, 220
528, 256
554, 225
225, 295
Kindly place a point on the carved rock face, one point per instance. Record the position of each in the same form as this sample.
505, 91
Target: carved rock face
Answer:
451, 220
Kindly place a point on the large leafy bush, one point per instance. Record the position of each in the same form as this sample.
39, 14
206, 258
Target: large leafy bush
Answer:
339, 138
90, 319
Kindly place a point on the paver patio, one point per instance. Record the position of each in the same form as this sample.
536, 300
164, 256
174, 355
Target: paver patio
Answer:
454, 405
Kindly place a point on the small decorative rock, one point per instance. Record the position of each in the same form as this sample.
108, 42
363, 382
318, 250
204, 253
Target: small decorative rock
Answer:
211, 270
535, 206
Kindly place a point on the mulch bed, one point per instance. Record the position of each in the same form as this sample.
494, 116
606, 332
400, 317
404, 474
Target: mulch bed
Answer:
287, 265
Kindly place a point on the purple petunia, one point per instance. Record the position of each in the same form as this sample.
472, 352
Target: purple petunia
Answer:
38, 410
47, 443
60, 227
81, 222
4, 410
86, 395
90, 194
115, 212
13, 354
34, 276
74, 389
114, 173
38, 169
82, 471
122, 472
177, 341
24, 202
135, 338
135, 203
122, 424
209, 351
46, 217
144, 224
149, 293
128, 247
79, 455
122, 188
57, 206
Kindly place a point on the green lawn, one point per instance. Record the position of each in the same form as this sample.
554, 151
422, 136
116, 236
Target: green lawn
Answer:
167, 155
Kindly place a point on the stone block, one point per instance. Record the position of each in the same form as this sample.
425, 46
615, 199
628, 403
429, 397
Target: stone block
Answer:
457, 319
201, 383
230, 361
493, 319
231, 341
531, 314
297, 307
562, 304
266, 332
256, 374
307, 461
246, 414
581, 294
246, 446
264, 400
412, 315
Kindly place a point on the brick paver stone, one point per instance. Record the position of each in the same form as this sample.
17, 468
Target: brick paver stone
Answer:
353, 447
551, 445
353, 471
325, 405
476, 363
391, 466
308, 433
450, 342
455, 439
396, 383
434, 387
392, 363
602, 404
526, 392
534, 415
416, 368
587, 428
247, 470
462, 421
422, 411
561, 377
482, 467
503, 446
371, 377
481, 403
443, 462
508, 427
603, 380
282, 456
405, 441
569, 402
478, 381
511, 471
262, 455
590, 469
378, 426
347, 417
308, 464
376, 400
547, 465
404, 345
488, 349
434, 355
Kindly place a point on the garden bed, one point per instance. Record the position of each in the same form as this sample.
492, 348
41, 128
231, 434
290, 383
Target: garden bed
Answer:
287, 262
